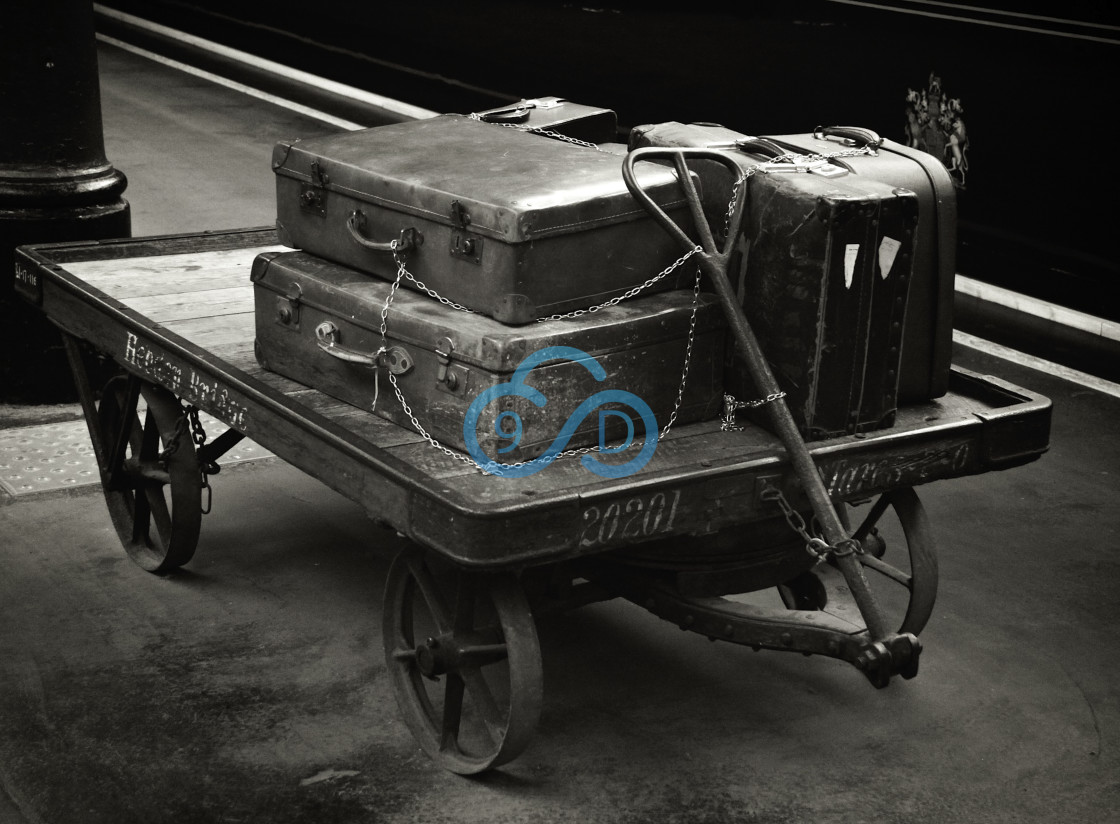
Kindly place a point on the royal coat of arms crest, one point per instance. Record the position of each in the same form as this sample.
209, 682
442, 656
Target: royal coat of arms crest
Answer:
935, 124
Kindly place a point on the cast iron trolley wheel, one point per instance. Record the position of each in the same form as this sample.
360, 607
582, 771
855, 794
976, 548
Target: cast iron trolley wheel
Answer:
878, 532
921, 578
462, 652
149, 473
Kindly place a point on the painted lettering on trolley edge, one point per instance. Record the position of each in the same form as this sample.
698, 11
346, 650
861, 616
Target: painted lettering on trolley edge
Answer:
185, 382
25, 276
632, 519
518, 388
845, 478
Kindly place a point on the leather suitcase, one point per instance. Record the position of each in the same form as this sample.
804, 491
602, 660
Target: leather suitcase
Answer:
318, 323
927, 346
556, 117
506, 223
823, 278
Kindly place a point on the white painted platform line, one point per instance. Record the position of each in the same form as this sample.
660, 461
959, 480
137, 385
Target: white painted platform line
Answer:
278, 69
1069, 318
48, 457
1050, 368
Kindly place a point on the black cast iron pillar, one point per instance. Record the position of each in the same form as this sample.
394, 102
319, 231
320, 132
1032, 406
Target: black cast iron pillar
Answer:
55, 181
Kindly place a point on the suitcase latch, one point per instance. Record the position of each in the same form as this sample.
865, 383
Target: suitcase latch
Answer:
288, 305
313, 199
318, 176
464, 245
804, 163
447, 374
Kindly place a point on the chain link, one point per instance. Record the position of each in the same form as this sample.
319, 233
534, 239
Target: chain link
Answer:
815, 545
796, 157
401, 270
731, 405
664, 273
575, 141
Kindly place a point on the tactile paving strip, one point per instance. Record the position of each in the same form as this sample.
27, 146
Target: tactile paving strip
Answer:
35, 459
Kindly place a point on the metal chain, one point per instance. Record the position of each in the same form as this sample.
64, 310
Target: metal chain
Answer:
731, 406
538, 130
664, 273
815, 545
401, 270
794, 156
198, 434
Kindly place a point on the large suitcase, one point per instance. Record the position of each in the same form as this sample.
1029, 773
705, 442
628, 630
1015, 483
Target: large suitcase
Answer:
506, 223
318, 323
927, 340
823, 278
557, 118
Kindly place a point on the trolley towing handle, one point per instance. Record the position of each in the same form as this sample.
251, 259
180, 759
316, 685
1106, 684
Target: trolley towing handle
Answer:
715, 262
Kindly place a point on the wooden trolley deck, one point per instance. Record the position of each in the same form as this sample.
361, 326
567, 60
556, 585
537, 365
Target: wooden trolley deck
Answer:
178, 311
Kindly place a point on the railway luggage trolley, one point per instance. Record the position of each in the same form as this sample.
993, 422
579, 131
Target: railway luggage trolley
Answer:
717, 516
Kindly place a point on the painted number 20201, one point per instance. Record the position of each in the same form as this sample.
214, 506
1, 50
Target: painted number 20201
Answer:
630, 520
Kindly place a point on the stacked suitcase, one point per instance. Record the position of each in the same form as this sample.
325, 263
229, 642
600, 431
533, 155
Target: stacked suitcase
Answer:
437, 256
823, 276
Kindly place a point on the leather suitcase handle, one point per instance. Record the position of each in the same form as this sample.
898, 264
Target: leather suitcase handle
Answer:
409, 239
326, 338
856, 134
760, 146
395, 358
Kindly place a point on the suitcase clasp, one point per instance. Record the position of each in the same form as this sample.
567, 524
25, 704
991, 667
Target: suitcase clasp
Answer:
446, 375
288, 305
802, 164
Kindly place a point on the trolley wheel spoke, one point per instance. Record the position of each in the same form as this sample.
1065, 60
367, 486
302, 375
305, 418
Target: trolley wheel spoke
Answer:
464, 662
911, 526
452, 713
150, 474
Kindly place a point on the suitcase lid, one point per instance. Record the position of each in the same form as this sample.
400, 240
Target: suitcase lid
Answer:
478, 340
512, 185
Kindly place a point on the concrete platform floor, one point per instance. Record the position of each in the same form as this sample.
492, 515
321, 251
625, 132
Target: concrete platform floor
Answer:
251, 687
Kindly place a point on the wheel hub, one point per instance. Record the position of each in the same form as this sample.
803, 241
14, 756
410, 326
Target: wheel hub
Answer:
432, 658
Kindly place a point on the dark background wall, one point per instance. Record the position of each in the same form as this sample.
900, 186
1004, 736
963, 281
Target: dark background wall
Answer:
1035, 90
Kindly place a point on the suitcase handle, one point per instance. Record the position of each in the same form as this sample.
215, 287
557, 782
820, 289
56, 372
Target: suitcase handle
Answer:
760, 146
518, 113
326, 338
395, 358
856, 135
410, 238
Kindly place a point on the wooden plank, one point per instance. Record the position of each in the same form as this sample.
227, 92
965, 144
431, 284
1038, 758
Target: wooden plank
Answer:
206, 333
208, 303
236, 352
126, 278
